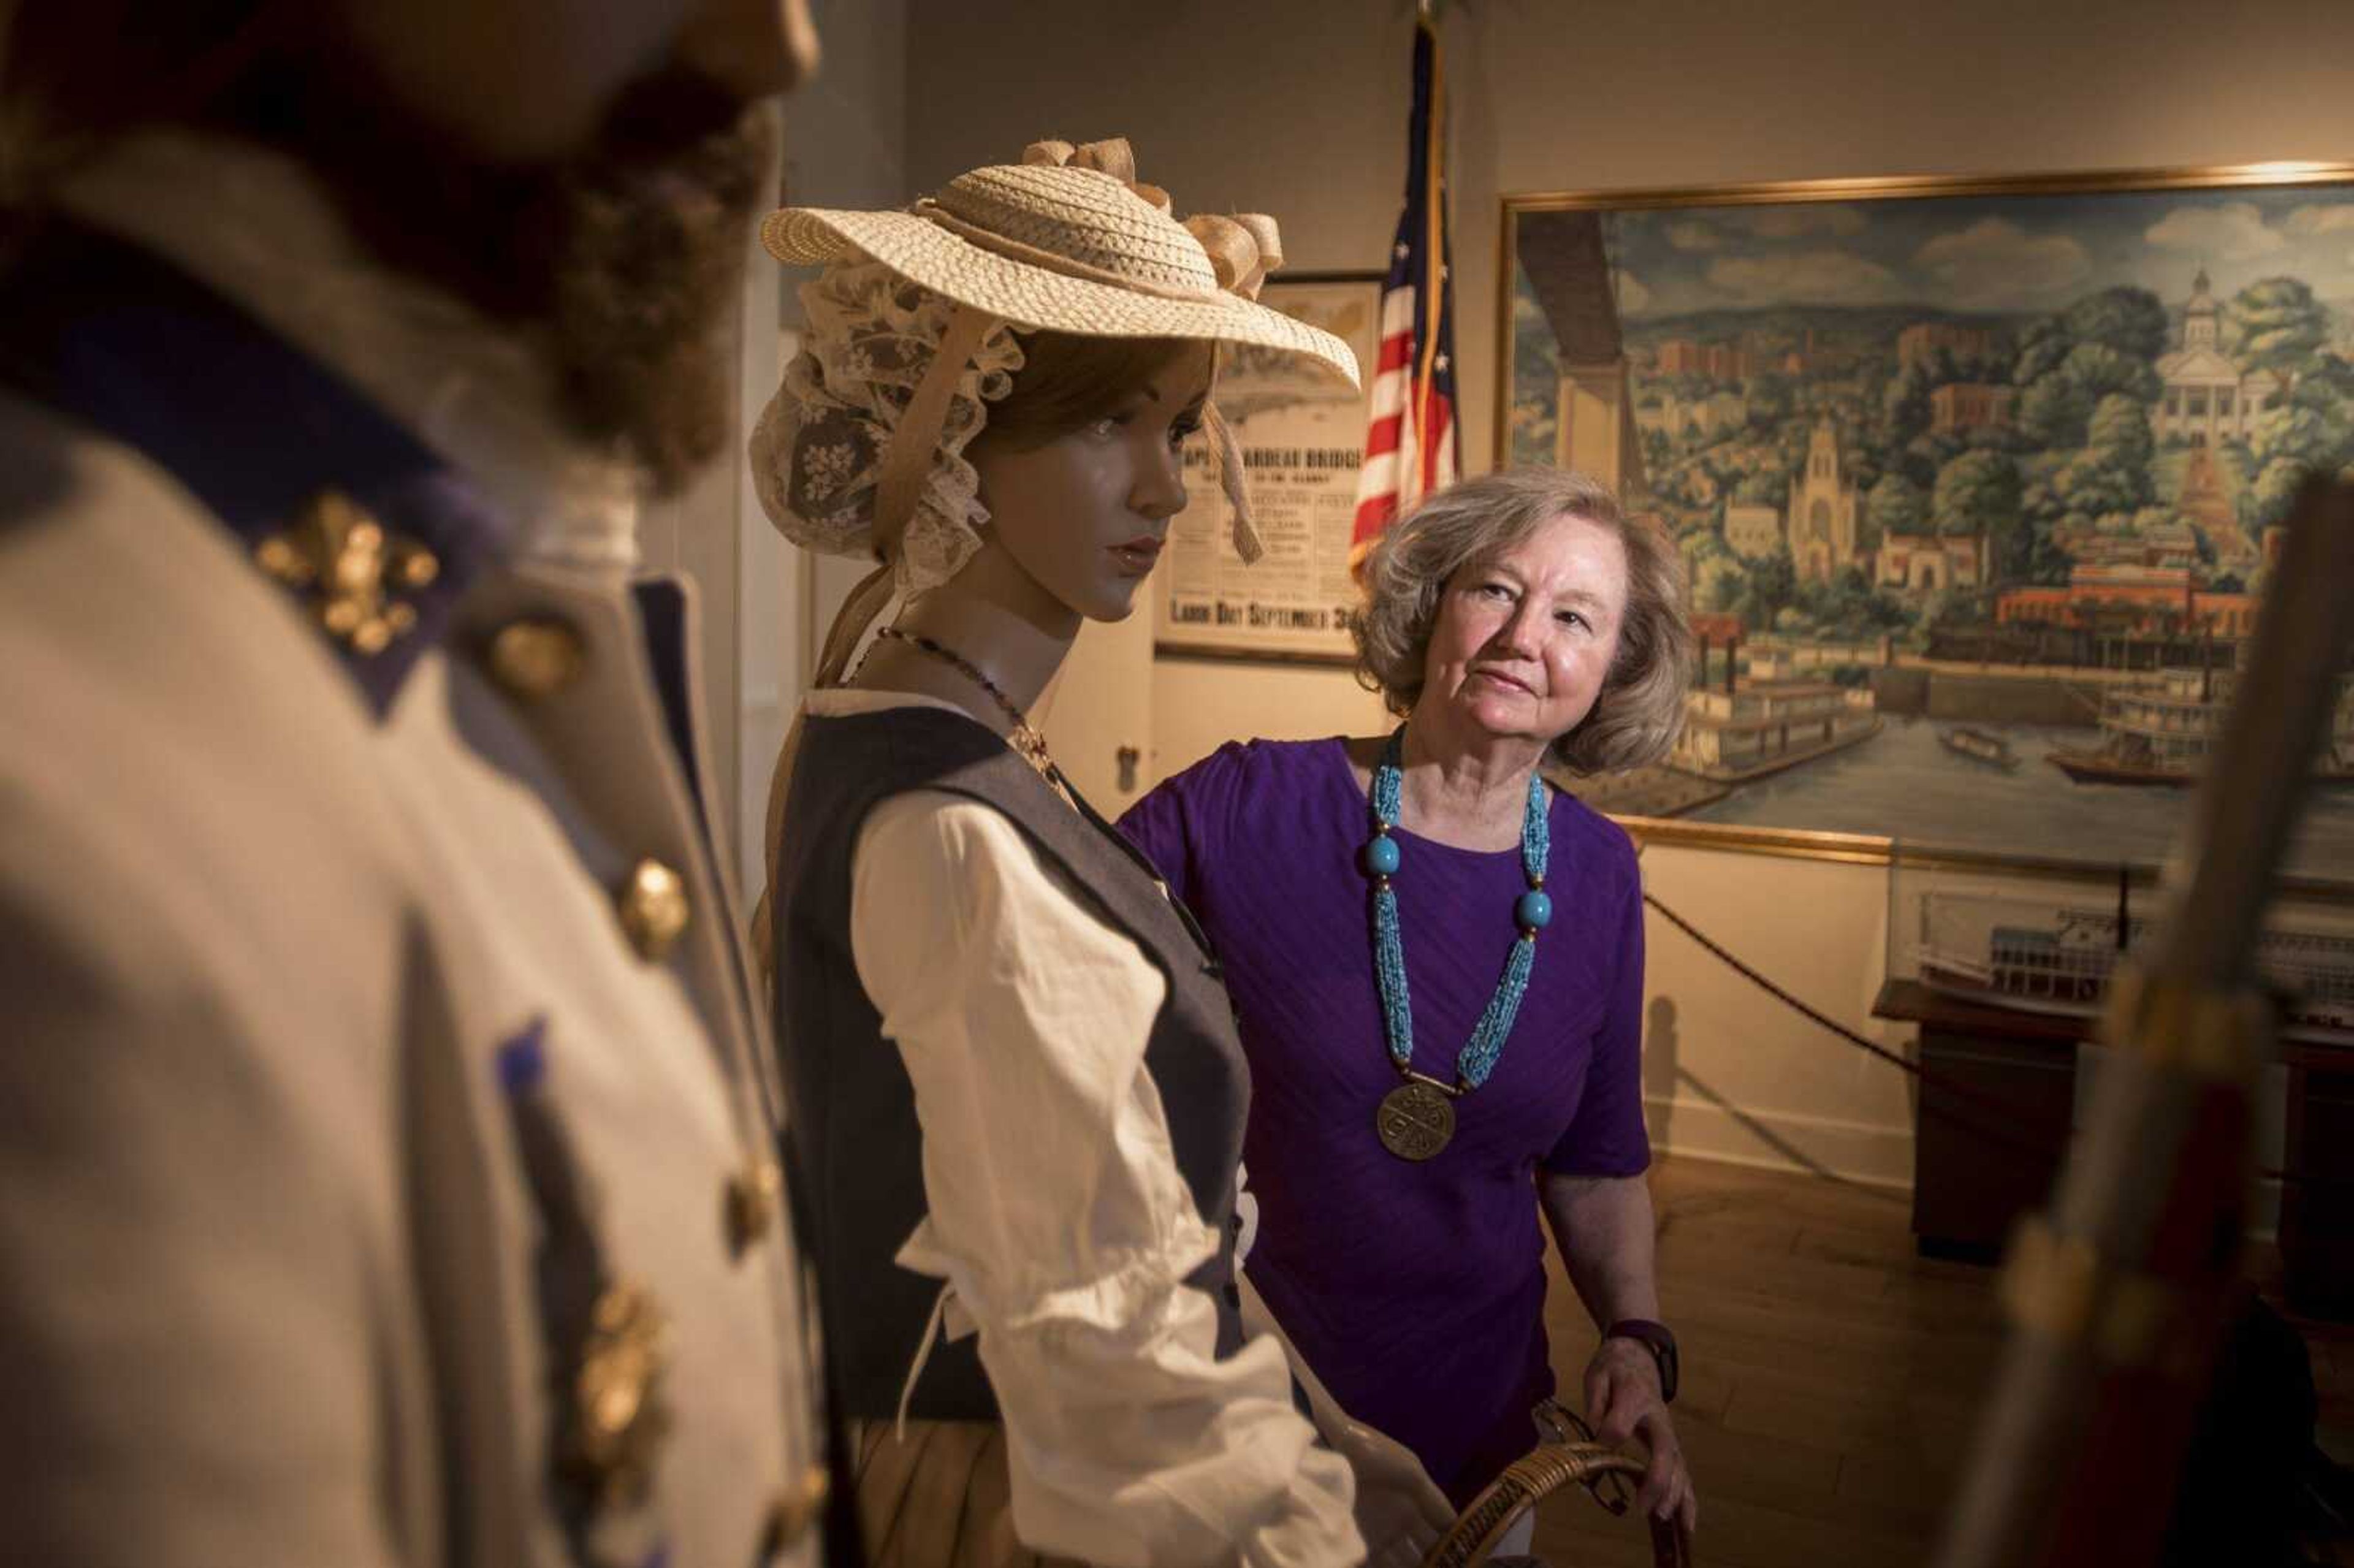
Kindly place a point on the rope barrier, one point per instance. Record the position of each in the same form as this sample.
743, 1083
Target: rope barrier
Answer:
1994, 1103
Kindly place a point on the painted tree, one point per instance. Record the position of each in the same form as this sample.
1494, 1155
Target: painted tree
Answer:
2041, 347
2277, 324
2091, 484
1977, 494
2127, 321
1848, 606
2301, 437
1771, 399
2103, 345
2119, 429
1896, 506
1772, 587
1769, 486
2054, 411
1716, 573
2098, 371
2119, 439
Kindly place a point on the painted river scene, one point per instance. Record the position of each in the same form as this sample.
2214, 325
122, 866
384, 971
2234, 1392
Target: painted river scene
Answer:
1977, 496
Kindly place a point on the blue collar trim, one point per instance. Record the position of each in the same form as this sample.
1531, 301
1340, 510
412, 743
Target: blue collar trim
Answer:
123, 340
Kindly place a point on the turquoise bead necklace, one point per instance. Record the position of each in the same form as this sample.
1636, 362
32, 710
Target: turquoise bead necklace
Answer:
1417, 1119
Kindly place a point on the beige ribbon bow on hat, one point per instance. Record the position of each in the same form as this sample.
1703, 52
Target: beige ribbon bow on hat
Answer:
1243, 249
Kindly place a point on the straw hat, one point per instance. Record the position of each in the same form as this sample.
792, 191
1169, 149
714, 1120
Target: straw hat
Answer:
1067, 240
1072, 247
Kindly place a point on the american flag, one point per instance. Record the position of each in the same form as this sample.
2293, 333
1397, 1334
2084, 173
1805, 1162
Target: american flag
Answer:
1410, 433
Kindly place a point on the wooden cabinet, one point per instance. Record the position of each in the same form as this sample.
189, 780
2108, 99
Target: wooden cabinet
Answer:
2316, 1222
1987, 1149
1977, 1169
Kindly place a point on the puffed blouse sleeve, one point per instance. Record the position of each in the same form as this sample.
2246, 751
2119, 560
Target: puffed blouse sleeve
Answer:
1059, 1220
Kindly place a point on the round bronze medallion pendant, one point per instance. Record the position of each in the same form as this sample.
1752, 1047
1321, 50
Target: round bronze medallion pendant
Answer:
1416, 1121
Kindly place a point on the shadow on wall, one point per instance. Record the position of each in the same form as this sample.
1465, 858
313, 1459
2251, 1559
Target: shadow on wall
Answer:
1660, 1042
1663, 1079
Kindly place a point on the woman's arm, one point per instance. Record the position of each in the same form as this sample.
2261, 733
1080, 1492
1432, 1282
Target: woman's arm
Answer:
1599, 1204
1604, 1229
1058, 1217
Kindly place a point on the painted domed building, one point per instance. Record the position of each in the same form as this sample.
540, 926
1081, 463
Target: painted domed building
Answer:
2208, 398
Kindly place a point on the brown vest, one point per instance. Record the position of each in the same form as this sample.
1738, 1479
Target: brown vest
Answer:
852, 1107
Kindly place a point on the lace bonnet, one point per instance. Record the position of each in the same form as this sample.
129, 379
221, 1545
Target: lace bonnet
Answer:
910, 336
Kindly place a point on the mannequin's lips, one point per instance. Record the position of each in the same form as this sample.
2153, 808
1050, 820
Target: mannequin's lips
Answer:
1138, 555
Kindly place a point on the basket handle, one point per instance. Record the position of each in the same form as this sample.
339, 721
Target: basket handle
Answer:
1530, 1478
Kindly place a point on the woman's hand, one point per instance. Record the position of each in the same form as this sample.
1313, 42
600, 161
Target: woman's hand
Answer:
1622, 1399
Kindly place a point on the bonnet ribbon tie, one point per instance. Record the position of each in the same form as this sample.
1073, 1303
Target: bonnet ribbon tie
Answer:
907, 462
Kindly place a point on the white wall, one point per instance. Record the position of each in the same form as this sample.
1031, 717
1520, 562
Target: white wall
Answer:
1297, 108
844, 145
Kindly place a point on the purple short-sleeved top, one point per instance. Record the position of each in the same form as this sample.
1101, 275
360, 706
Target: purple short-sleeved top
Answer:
1415, 1291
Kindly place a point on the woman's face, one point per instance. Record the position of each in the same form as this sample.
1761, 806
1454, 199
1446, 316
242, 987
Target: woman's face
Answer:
1525, 638
1085, 515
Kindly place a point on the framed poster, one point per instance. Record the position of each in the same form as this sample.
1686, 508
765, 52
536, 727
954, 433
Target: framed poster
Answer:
1977, 484
1301, 432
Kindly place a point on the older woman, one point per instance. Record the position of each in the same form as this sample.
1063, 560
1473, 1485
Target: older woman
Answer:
1437, 965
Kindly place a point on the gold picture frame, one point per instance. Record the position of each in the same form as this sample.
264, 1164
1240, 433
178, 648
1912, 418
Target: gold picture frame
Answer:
1691, 328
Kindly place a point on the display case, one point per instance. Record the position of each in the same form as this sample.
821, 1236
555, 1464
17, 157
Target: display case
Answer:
2005, 968
2045, 939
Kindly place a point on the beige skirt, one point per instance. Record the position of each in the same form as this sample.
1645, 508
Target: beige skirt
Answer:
940, 1497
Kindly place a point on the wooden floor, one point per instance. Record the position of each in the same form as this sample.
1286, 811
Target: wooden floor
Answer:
1831, 1376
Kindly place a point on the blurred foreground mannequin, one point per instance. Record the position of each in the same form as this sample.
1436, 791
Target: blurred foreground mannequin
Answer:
390, 1154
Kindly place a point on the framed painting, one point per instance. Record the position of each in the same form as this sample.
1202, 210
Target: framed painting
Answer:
1975, 482
1303, 433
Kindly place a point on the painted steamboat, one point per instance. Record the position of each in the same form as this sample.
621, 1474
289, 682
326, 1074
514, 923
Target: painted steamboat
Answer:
2160, 732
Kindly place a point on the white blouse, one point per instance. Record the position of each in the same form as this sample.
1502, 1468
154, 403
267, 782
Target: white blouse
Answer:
1058, 1220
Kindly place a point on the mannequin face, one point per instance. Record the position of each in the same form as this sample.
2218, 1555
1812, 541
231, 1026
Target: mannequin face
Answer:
1083, 515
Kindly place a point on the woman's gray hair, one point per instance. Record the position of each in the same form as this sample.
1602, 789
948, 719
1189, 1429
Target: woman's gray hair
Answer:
1641, 705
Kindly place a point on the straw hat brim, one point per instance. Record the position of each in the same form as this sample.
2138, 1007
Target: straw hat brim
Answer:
1038, 298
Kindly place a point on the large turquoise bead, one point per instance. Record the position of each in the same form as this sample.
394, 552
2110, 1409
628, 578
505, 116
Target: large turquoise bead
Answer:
1533, 911
1382, 855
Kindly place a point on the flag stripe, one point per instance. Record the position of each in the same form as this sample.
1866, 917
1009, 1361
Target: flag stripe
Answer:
1410, 435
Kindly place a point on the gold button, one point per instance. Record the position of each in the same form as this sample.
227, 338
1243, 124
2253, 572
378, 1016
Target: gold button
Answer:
416, 568
537, 656
653, 909
282, 560
795, 1509
752, 1196
619, 1418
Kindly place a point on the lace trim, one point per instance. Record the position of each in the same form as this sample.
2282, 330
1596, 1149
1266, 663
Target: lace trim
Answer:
818, 449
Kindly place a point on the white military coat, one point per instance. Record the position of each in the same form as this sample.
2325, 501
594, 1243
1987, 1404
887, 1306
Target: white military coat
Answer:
389, 1145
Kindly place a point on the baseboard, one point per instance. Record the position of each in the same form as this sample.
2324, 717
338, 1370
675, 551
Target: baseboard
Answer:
1876, 1155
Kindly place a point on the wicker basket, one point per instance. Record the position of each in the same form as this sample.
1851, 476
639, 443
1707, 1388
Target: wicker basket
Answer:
1569, 1457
